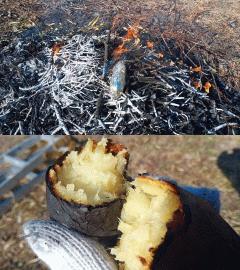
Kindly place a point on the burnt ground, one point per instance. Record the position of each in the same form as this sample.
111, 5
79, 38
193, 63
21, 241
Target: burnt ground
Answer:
193, 160
213, 26
186, 34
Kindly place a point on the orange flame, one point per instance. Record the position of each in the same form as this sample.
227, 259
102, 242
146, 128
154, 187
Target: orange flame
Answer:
132, 33
207, 87
56, 48
150, 45
160, 55
120, 50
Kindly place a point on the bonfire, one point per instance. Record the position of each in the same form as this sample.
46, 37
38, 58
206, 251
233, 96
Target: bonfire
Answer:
119, 81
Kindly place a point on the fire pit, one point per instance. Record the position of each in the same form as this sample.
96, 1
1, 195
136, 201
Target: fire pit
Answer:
66, 85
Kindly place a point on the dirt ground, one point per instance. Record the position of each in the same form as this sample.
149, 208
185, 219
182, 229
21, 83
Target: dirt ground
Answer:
210, 27
204, 161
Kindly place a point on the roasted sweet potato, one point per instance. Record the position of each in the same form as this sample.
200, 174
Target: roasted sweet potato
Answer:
166, 228
85, 188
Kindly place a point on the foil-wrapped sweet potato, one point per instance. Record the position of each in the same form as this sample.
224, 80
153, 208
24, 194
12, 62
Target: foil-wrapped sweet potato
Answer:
85, 188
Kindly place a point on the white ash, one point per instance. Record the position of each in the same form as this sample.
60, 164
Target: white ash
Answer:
72, 73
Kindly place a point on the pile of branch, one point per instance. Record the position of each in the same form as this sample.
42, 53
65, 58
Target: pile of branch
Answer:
68, 95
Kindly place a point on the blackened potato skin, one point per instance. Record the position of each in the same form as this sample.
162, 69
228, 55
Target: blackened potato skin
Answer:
205, 242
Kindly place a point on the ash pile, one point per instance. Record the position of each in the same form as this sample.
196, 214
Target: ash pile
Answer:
118, 82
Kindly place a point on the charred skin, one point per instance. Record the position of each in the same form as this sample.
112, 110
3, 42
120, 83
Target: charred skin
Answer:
206, 241
197, 238
93, 220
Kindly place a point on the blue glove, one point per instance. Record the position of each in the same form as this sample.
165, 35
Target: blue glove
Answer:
212, 195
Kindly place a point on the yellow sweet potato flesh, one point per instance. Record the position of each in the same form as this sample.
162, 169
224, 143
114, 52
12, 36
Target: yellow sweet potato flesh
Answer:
149, 206
92, 176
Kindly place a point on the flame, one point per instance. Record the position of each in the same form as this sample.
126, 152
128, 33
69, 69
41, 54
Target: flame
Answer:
120, 50
150, 45
207, 87
132, 34
56, 48
160, 55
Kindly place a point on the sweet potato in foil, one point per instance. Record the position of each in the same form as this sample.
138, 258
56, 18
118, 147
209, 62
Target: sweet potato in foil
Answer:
85, 188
